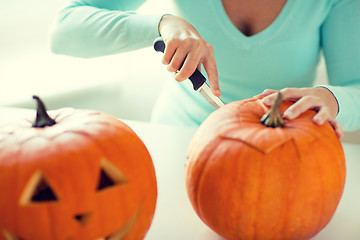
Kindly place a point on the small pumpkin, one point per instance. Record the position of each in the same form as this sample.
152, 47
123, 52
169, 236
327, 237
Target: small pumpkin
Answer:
79, 174
254, 177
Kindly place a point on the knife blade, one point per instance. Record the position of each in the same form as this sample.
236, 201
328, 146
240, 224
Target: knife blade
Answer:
197, 79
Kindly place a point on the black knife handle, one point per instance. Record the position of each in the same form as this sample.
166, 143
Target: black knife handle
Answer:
197, 79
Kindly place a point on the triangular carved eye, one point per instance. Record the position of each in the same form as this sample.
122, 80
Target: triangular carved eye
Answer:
105, 180
109, 176
38, 190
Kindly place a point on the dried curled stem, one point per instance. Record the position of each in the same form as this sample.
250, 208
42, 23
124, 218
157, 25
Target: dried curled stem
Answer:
42, 118
273, 117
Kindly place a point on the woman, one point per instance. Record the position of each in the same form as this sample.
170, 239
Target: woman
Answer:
245, 46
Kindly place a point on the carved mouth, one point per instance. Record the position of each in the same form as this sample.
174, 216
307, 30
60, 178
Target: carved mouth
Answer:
120, 234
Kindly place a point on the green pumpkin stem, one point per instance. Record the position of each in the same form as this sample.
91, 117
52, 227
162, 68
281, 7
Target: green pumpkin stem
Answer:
42, 118
273, 117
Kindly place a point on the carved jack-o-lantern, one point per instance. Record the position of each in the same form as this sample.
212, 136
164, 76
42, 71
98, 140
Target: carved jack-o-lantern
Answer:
87, 176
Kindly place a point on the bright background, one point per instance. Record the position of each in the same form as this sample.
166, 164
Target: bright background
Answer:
124, 85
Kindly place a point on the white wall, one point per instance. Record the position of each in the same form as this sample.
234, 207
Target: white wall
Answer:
125, 85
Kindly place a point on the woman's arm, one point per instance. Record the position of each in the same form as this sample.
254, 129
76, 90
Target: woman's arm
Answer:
92, 28
340, 100
341, 46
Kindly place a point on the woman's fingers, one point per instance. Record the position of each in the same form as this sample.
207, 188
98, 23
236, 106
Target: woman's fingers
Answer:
186, 59
211, 70
187, 66
319, 99
303, 104
322, 115
291, 94
169, 52
304, 100
176, 61
338, 128
186, 50
265, 93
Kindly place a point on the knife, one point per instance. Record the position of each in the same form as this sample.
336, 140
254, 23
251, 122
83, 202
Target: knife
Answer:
197, 79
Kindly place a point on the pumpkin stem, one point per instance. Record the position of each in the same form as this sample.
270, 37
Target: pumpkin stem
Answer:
42, 118
273, 117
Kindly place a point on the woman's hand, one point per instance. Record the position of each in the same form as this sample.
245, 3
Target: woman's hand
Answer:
187, 50
317, 98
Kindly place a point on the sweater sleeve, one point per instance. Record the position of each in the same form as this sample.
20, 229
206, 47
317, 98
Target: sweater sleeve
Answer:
93, 28
341, 47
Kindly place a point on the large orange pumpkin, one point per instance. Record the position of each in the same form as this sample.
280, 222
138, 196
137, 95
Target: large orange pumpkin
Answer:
82, 175
249, 181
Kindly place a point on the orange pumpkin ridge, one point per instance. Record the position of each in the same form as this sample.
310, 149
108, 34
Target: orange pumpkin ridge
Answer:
249, 181
88, 176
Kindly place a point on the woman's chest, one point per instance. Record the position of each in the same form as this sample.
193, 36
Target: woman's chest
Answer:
251, 17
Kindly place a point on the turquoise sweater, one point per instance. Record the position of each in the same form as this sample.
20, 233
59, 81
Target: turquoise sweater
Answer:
285, 54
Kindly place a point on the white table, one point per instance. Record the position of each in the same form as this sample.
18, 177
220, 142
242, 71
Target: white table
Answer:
174, 217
